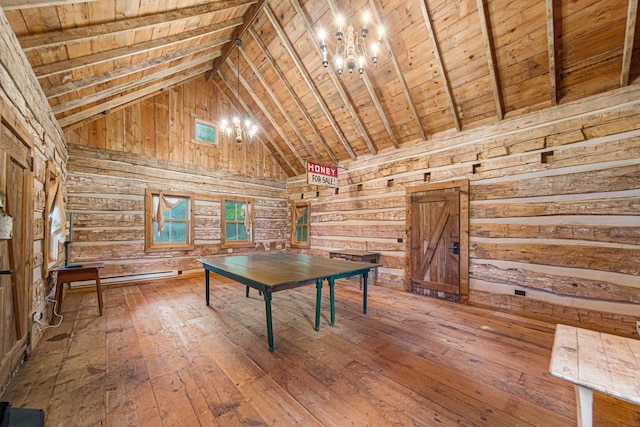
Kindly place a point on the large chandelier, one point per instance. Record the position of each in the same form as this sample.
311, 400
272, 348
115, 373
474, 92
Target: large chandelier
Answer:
238, 128
351, 50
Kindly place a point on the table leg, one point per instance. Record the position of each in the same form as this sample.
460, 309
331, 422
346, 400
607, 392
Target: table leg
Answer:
206, 285
267, 306
99, 292
318, 300
365, 275
584, 401
332, 300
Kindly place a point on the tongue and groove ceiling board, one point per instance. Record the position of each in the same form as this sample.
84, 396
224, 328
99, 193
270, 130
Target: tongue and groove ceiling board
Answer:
445, 66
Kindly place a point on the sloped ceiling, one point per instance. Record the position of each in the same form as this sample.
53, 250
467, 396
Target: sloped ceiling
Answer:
445, 66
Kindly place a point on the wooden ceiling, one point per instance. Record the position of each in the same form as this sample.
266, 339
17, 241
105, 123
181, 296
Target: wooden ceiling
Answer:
445, 66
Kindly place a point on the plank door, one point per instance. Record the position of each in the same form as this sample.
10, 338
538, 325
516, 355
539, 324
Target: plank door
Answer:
16, 189
437, 234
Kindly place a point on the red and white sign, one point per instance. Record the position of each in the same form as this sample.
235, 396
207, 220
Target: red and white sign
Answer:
322, 175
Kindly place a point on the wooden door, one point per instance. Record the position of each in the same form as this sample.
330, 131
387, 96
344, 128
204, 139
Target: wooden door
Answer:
16, 209
437, 233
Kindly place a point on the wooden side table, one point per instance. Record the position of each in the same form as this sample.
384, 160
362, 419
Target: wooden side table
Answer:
360, 256
74, 273
595, 361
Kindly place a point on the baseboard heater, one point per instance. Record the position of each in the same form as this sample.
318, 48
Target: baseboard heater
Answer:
126, 279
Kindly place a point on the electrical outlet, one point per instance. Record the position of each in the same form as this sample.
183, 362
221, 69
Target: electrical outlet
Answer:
37, 315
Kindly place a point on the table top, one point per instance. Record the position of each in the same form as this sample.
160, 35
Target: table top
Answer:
280, 269
79, 266
602, 362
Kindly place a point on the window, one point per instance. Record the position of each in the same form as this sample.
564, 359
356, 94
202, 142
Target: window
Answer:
300, 224
168, 221
205, 132
55, 218
237, 222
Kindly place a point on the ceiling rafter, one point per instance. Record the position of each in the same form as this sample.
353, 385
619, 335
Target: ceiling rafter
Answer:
247, 20
337, 82
303, 71
275, 100
371, 91
487, 41
130, 85
30, 4
131, 69
381, 114
268, 115
93, 32
630, 33
292, 93
94, 113
273, 146
438, 56
377, 13
551, 50
69, 65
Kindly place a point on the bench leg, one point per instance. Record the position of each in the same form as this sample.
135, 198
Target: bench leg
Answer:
584, 401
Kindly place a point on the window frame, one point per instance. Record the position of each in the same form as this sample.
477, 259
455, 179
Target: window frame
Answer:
294, 225
198, 121
149, 244
223, 223
51, 251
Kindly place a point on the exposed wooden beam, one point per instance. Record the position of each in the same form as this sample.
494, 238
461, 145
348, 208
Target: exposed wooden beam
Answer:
292, 93
92, 32
273, 147
337, 82
632, 13
131, 69
100, 110
379, 109
67, 66
377, 13
247, 20
276, 101
551, 51
307, 78
438, 57
487, 40
265, 111
370, 90
30, 4
130, 85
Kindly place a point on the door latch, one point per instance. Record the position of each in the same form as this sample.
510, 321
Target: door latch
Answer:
5, 272
455, 248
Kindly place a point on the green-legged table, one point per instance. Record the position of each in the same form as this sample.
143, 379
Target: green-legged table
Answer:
273, 272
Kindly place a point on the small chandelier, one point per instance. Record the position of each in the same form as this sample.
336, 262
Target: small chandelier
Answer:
351, 51
238, 128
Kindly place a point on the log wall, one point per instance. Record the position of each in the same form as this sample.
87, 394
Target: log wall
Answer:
20, 92
106, 198
554, 209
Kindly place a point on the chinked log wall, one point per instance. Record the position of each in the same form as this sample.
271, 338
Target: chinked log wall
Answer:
554, 210
106, 197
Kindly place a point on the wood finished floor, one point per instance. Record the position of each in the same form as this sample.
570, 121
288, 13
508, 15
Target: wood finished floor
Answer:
160, 357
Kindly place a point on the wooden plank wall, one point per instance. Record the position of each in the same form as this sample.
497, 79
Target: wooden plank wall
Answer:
554, 210
20, 92
162, 127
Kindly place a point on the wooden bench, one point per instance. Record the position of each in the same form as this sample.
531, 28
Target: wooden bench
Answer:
595, 361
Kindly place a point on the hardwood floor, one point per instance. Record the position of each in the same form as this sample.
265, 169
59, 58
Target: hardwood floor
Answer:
160, 357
